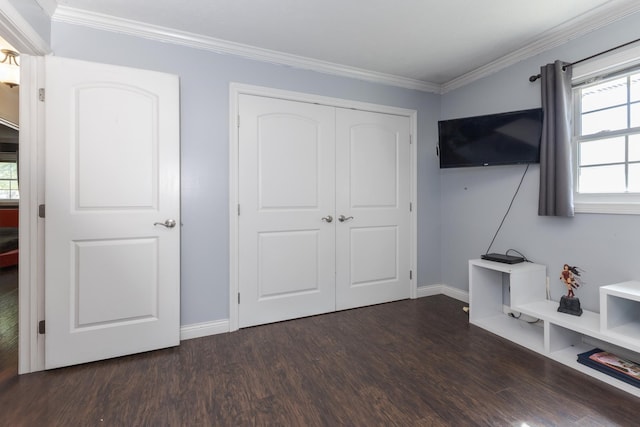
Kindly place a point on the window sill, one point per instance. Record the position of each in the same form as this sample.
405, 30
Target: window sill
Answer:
607, 208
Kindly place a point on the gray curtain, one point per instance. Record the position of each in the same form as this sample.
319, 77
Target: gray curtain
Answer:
556, 167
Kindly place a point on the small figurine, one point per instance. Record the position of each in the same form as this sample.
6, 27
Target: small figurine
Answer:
568, 277
569, 303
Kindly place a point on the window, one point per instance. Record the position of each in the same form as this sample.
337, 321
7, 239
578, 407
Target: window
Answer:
607, 144
9, 192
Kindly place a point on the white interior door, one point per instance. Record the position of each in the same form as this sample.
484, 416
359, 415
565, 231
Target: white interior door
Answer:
299, 163
286, 188
373, 194
112, 277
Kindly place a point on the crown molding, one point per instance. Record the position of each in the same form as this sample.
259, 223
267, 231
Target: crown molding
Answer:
163, 34
579, 26
19, 33
49, 6
9, 124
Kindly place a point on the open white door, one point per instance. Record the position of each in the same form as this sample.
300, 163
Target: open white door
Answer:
112, 239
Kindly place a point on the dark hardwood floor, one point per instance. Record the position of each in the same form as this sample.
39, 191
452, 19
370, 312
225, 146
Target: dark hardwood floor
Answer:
8, 323
407, 363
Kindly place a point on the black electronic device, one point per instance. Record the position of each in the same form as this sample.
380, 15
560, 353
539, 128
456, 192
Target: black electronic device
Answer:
494, 139
507, 259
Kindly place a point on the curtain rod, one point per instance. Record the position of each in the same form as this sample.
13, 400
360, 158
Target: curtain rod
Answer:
564, 67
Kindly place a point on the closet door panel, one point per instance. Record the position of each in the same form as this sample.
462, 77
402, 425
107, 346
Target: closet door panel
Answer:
286, 188
372, 195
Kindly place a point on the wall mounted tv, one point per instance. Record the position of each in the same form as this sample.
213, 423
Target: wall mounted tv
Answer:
494, 139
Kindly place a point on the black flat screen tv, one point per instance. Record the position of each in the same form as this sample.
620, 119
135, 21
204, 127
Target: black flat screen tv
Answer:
494, 139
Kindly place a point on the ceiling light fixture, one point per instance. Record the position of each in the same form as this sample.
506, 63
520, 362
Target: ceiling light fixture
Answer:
9, 68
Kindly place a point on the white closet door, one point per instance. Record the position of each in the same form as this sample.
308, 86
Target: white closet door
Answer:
286, 188
373, 192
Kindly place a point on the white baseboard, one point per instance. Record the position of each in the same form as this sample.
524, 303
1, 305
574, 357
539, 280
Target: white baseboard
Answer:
204, 329
198, 330
450, 291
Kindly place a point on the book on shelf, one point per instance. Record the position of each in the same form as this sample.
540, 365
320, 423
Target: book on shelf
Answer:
610, 364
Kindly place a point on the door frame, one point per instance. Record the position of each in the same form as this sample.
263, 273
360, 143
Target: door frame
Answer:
19, 33
237, 89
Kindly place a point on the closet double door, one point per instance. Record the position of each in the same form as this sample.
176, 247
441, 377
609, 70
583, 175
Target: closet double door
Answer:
324, 213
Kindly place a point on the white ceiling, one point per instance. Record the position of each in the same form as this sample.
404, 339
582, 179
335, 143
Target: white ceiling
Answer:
435, 42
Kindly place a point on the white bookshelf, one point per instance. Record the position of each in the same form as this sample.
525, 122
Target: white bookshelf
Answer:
556, 335
620, 308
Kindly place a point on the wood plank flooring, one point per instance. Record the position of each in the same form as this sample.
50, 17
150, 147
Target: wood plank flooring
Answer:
407, 363
8, 323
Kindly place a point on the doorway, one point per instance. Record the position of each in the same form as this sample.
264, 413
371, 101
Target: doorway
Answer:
9, 199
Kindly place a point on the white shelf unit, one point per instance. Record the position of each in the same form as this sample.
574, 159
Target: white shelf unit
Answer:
562, 336
620, 308
526, 282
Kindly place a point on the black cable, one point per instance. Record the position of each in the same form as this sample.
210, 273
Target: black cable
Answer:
531, 322
519, 253
508, 209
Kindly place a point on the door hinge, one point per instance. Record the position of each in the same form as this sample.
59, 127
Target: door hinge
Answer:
41, 211
41, 327
410, 207
41, 94
238, 123
238, 209
410, 274
410, 139
238, 297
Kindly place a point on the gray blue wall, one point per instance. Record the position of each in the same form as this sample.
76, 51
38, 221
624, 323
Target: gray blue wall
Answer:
459, 209
204, 86
474, 200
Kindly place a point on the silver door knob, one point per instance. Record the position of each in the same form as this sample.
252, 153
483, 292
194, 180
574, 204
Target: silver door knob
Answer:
343, 218
327, 218
170, 223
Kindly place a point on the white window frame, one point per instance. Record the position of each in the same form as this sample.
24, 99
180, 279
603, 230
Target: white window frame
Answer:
607, 203
10, 158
